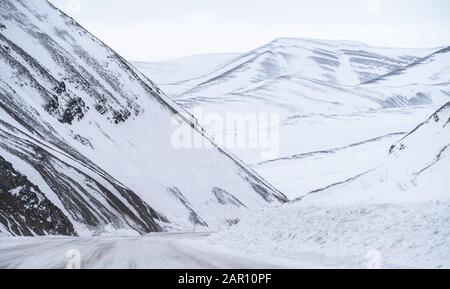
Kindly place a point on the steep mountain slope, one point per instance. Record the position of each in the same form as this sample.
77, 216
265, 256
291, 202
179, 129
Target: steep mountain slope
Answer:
96, 136
434, 69
321, 92
424, 81
406, 201
29, 211
306, 76
415, 171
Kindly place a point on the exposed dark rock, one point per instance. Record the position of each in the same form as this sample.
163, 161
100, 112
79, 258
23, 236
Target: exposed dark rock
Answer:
84, 141
94, 199
101, 105
224, 198
52, 106
61, 88
121, 116
74, 111
24, 210
262, 191
392, 149
193, 217
101, 109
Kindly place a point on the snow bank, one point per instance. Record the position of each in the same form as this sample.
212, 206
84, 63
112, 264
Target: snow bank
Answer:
399, 235
397, 215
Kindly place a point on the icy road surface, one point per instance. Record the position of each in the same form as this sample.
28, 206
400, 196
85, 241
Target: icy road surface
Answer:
162, 250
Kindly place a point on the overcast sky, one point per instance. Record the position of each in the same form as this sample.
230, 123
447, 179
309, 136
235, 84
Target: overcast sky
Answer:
157, 30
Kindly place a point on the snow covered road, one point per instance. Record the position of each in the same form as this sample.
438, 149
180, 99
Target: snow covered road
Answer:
162, 250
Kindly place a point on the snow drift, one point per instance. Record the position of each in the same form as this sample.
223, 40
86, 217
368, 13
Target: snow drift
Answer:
395, 216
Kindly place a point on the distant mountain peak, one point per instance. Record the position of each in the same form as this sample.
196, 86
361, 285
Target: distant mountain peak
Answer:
317, 41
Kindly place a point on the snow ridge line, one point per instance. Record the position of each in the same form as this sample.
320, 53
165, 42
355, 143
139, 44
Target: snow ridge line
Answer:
333, 185
400, 70
331, 151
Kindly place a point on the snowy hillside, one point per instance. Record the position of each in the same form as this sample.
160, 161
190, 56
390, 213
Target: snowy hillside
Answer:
333, 62
328, 107
366, 192
424, 81
434, 69
305, 76
416, 170
89, 133
395, 216
170, 75
297, 77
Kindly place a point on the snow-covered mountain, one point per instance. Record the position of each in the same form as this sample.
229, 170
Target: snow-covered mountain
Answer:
304, 76
394, 216
86, 140
334, 102
434, 69
416, 170
424, 81
333, 62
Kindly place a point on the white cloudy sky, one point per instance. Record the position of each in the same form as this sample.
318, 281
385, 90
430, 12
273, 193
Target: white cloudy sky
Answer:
156, 30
